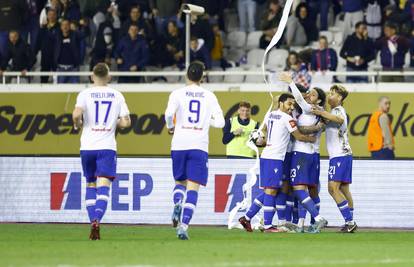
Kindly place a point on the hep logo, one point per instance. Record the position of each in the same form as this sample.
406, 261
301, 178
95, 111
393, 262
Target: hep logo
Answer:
66, 191
230, 186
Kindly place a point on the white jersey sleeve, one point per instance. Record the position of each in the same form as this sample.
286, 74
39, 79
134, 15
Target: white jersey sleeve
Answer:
102, 106
305, 106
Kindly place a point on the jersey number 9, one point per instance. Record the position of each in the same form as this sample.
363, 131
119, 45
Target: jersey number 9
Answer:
194, 108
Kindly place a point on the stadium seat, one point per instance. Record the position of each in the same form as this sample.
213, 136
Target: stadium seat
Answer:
234, 78
236, 39
235, 54
328, 35
172, 79
338, 38
253, 39
216, 78
254, 78
255, 57
277, 58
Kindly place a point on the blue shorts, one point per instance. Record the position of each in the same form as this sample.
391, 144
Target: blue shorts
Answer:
100, 163
190, 165
271, 173
315, 170
340, 169
301, 168
286, 166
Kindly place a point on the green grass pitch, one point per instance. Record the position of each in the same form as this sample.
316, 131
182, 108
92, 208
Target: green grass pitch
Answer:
157, 246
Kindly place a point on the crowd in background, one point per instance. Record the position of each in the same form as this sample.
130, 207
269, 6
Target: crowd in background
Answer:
133, 35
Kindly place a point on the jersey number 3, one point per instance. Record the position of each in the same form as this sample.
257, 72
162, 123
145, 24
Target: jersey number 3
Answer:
194, 108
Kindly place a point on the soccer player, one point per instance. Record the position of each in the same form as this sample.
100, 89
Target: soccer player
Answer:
340, 155
99, 110
195, 110
305, 156
279, 125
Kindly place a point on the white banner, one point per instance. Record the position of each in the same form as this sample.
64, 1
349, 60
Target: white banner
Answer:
37, 189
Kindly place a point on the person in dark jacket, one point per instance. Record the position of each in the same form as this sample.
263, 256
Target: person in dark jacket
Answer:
324, 58
321, 7
303, 14
12, 17
70, 10
393, 48
201, 28
173, 46
19, 53
135, 17
132, 54
198, 51
104, 45
270, 22
46, 43
67, 53
30, 30
358, 50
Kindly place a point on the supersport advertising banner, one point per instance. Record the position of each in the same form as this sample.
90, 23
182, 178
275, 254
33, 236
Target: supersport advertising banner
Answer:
47, 189
41, 123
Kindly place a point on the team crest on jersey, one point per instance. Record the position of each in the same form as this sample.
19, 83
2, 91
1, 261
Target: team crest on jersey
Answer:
276, 170
292, 123
339, 164
298, 167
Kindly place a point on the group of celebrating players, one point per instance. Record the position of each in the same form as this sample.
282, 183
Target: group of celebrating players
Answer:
289, 163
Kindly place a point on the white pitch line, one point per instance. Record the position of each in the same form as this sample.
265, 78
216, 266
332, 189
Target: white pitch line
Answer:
285, 263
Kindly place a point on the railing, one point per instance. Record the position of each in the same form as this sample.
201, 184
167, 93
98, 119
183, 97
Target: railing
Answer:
373, 75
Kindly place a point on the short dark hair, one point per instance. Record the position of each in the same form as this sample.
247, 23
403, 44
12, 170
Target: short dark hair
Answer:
101, 70
244, 104
301, 88
285, 96
193, 38
321, 96
195, 71
340, 90
391, 25
359, 23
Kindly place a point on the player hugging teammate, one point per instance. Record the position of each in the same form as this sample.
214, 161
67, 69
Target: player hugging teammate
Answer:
302, 163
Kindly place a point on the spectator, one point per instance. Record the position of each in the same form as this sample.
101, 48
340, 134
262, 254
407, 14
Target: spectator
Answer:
46, 43
299, 70
358, 50
324, 58
373, 19
400, 14
132, 54
215, 9
31, 26
270, 22
381, 142
217, 57
307, 22
201, 28
295, 33
67, 53
236, 133
12, 17
246, 10
164, 11
321, 7
51, 4
412, 49
173, 47
353, 10
18, 53
104, 45
82, 31
70, 10
198, 51
392, 49
135, 17
125, 6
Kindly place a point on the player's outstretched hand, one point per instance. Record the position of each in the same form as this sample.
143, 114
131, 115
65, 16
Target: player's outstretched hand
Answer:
171, 131
285, 77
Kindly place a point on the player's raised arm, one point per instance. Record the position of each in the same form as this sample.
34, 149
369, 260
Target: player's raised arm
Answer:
287, 78
336, 116
312, 129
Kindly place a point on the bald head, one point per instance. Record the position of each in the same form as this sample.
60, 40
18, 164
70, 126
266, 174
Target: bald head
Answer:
384, 104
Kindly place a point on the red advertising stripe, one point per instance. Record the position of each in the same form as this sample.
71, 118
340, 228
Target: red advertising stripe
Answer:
57, 181
221, 197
